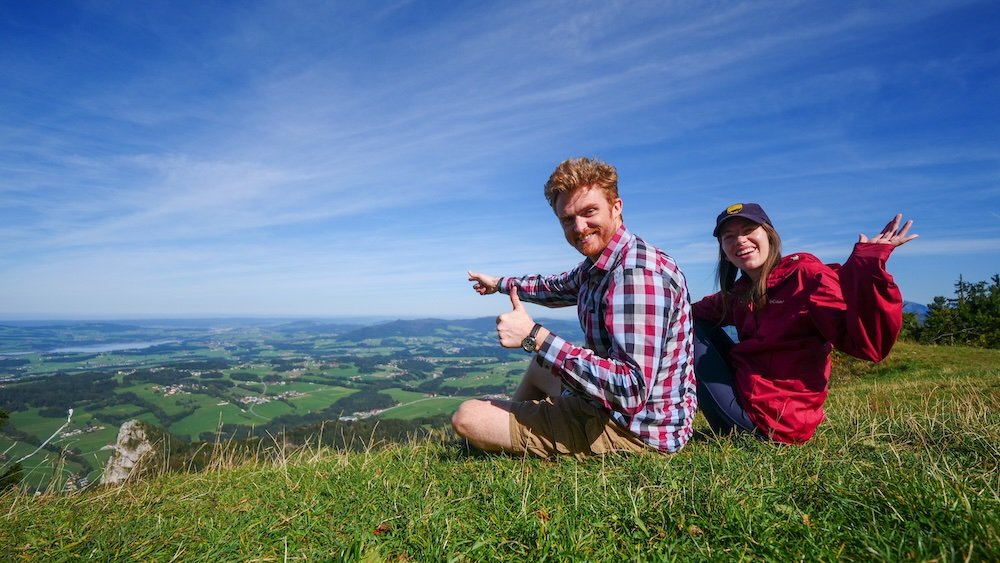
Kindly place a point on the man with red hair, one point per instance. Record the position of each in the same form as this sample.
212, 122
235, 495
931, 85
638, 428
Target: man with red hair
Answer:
630, 387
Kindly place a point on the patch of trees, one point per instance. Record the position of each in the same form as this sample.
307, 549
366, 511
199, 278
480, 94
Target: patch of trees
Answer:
216, 385
159, 376
68, 358
422, 367
212, 375
199, 365
364, 400
324, 379
454, 371
369, 364
971, 317
431, 385
244, 376
282, 365
13, 362
60, 391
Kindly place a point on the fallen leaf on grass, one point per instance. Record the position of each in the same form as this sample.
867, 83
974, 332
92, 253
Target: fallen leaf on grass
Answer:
382, 529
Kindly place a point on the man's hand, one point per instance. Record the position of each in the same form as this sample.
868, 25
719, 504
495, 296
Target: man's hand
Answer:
892, 234
512, 327
484, 285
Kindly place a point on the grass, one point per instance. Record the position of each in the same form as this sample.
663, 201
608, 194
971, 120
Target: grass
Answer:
907, 467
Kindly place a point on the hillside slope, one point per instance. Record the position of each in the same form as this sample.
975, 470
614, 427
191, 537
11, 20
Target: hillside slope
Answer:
906, 467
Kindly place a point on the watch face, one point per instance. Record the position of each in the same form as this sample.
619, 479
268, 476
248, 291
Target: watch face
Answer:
528, 344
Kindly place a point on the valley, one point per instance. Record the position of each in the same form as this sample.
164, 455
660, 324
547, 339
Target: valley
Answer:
211, 381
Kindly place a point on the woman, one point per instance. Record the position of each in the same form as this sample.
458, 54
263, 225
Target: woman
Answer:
789, 313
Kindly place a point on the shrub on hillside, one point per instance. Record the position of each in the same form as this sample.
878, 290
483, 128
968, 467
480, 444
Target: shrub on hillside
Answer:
971, 317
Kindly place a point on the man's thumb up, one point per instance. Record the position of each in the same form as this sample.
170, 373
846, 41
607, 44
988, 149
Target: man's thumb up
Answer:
515, 301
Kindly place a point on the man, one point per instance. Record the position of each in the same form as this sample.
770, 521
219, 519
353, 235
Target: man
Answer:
631, 387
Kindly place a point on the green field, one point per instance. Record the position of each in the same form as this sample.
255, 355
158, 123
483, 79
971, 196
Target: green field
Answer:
402, 396
39, 468
491, 376
424, 407
318, 397
208, 419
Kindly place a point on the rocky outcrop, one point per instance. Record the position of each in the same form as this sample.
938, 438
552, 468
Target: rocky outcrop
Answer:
135, 452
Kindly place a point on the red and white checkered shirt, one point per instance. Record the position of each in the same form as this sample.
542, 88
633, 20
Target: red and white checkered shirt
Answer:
635, 312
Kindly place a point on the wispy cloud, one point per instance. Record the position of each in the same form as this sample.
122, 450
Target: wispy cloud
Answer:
324, 157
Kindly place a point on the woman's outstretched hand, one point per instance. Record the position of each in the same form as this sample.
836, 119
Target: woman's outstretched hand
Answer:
892, 233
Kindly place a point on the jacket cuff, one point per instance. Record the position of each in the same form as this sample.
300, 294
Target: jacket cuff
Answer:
873, 250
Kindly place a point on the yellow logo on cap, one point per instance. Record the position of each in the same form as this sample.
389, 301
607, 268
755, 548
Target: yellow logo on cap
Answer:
734, 208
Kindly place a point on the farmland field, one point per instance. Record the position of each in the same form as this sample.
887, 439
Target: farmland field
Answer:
424, 407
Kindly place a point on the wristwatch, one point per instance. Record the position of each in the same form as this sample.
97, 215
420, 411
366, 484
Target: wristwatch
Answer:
528, 344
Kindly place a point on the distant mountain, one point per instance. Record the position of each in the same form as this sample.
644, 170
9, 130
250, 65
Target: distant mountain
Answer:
318, 328
416, 328
102, 326
920, 310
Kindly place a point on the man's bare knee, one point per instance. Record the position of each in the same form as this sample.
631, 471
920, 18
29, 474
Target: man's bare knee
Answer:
464, 418
485, 424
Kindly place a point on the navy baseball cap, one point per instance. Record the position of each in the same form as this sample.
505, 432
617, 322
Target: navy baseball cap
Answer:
749, 211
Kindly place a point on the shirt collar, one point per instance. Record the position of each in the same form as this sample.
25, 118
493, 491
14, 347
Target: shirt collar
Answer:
619, 242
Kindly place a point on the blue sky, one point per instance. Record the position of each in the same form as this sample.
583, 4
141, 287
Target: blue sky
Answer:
333, 159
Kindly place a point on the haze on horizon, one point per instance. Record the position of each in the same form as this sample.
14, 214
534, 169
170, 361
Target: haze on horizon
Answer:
317, 159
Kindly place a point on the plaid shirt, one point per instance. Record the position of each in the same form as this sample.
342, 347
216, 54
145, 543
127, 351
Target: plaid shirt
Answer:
635, 312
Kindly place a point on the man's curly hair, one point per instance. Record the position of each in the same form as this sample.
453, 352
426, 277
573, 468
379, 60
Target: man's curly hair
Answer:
582, 172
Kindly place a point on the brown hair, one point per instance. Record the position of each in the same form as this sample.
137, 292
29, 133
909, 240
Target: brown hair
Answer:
757, 292
582, 172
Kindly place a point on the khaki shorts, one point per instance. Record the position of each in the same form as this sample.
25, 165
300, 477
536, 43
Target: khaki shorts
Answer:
569, 425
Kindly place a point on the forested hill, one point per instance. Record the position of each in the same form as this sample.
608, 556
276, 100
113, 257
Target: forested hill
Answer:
916, 308
568, 329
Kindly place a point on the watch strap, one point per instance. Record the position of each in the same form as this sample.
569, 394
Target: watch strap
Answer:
534, 330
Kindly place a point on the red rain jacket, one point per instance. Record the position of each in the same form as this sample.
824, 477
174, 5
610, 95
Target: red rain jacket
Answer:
781, 365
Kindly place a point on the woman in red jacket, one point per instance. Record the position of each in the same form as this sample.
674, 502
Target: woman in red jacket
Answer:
789, 313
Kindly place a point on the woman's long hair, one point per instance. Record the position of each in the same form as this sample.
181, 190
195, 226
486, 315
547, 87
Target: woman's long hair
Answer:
757, 292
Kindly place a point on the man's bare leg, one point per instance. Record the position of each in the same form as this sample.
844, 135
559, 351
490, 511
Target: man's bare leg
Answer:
485, 424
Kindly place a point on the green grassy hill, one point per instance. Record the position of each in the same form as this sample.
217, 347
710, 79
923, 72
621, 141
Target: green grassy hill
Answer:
907, 467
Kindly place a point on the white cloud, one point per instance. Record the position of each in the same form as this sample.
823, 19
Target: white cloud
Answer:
271, 154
